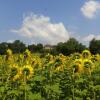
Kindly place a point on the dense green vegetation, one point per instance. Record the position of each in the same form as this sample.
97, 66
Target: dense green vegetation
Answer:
26, 76
66, 48
66, 71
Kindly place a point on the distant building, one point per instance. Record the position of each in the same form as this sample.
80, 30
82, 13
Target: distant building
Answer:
48, 47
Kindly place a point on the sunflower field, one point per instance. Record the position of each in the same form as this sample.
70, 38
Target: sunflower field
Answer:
31, 77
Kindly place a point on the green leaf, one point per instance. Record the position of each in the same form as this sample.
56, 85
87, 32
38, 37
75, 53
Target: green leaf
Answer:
39, 78
36, 96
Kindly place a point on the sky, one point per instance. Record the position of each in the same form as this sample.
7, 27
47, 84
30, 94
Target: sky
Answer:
49, 21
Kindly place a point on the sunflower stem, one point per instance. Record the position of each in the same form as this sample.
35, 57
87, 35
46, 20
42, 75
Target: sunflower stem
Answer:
73, 85
25, 85
6, 85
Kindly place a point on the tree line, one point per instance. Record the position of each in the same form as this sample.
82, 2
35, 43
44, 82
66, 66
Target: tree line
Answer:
66, 48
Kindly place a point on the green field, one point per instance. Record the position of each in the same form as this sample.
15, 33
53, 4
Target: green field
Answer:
28, 76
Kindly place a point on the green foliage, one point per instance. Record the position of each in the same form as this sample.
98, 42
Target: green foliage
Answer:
66, 48
69, 47
94, 46
52, 78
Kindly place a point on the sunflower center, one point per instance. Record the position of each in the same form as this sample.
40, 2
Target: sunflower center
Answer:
85, 55
77, 57
87, 64
14, 71
75, 67
26, 71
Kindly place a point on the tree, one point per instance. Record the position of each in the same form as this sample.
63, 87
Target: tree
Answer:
35, 48
60, 48
80, 47
39, 47
3, 48
71, 46
66, 48
32, 48
17, 46
94, 46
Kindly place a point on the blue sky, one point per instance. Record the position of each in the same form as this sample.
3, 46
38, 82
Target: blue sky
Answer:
49, 21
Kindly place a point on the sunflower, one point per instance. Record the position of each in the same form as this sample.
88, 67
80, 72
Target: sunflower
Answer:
76, 56
79, 61
97, 56
86, 54
77, 67
27, 56
9, 52
94, 59
88, 65
59, 69
9, 56
14, 72
26, 71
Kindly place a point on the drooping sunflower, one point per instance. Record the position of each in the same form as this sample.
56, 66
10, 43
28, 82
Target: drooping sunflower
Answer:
9, 56
27, 56
59, 69
77, 67
14, 72
88, 65
9, 52
49, 57
26, 72
79, 61
86, 54
97, 56
94, 59
76, 56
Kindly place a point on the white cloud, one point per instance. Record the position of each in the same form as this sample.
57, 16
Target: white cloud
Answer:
10, 41
40, 29
90, 8
90, 37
